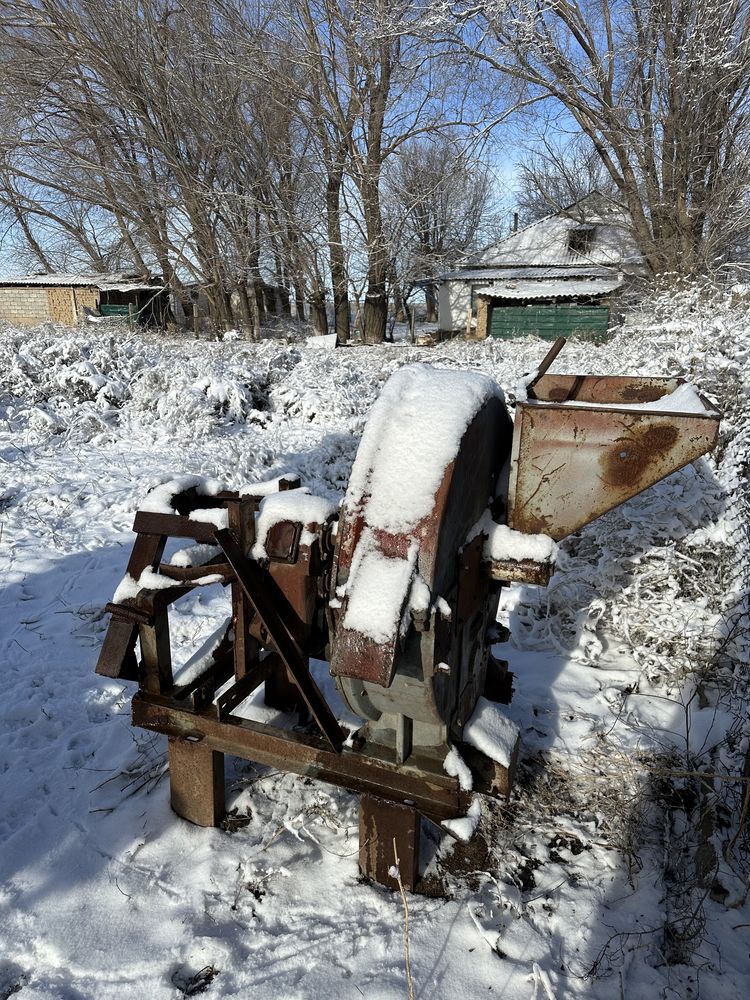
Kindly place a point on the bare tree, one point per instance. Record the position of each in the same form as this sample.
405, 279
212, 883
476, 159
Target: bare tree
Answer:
556, 173
220, 140
438, 200
659, 88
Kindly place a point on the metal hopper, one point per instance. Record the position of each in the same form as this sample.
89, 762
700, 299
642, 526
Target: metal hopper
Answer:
583, 444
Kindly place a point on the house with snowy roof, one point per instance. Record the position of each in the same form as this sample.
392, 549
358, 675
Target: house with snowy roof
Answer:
31, 299
552, 278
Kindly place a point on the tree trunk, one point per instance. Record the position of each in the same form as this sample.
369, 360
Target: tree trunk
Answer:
431, 304
375, 314
399, 305
260, 300
339, 277
318, 314
249, 311
376, 299
342, 319
299, 300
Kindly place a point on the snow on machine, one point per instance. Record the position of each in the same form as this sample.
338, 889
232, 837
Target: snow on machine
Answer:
448, 501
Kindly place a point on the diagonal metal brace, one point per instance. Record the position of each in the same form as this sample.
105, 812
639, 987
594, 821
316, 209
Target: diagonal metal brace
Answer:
269, 602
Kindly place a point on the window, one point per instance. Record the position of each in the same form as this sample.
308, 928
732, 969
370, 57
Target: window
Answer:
581, 239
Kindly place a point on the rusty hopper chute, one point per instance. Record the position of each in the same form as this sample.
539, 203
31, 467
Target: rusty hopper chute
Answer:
399, 592
584, 445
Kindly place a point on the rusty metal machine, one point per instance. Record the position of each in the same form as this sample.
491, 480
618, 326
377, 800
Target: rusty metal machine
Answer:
397, 590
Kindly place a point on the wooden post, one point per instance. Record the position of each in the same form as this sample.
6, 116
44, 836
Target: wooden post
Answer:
380, 823
483, 318
156, 655
242, 525
469, 317
196, 781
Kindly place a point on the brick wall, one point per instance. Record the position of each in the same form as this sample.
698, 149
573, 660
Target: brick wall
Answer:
24, 306
85, 299
61, 305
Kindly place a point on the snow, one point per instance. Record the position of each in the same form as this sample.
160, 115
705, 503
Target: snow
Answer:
263, 489
540, 289
442, 607
325, 341
217, 516
108, 282
128, 588
464, 827
522, 385
194, 555
203, 656
290, 505
504, 543
456, 767
412, 434
684, 399
376, 589
419, 595
490, 730
546, 242
627, 672
159, 499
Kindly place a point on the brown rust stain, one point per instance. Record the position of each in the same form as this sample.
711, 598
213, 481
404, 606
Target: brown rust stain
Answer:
641, 393
630, 457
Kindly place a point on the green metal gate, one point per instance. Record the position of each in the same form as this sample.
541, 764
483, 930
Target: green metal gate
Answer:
108, 310
548, 321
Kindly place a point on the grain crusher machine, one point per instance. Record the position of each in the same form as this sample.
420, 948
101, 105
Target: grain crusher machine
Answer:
397, 590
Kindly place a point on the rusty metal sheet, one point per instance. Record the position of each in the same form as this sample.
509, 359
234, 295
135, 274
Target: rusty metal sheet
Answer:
570, 464
389, 835
282, 541
603, 388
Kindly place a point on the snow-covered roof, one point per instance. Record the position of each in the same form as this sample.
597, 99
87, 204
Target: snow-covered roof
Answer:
519, 273
104, 282
547, 242
551, 289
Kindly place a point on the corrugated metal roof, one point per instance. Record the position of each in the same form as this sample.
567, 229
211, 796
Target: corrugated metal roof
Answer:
539, 273
551, 289
545, 242
105, 282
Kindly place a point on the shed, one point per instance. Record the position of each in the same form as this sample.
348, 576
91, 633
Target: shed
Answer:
554, 277
31, 299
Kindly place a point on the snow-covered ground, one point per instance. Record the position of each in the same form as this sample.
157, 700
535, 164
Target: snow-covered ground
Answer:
616, 870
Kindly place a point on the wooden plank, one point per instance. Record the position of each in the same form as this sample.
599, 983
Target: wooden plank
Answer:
490, 778
389, 835
156, 655
117, 656
196, 781
422, 782
173, 524
269, 601
242, 525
